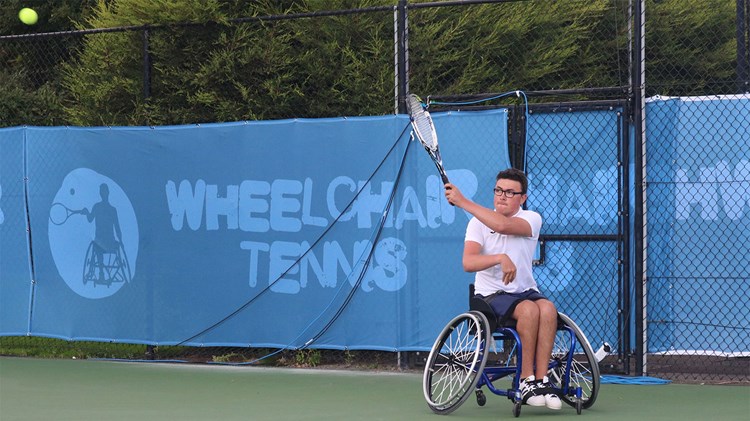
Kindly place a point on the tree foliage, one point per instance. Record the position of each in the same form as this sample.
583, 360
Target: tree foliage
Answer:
221, 71
208, 66
691, 51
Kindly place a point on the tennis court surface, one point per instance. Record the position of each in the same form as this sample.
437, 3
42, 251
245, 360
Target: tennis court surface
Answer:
42, 389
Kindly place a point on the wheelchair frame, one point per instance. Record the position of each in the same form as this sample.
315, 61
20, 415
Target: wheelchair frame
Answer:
114, 266
457, 364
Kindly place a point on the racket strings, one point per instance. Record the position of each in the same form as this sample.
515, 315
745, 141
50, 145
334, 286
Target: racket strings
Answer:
422, 121
425, 127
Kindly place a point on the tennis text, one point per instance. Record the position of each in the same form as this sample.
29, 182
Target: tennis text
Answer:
289, 206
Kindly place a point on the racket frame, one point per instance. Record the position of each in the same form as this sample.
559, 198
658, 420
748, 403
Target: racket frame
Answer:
418, 114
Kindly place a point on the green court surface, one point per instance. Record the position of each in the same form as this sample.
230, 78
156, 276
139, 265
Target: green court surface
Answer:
38, 389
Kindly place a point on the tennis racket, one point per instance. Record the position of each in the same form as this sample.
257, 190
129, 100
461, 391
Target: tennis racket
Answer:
59, 213
424, 129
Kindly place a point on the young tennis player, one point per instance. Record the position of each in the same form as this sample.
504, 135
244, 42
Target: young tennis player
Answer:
499, 247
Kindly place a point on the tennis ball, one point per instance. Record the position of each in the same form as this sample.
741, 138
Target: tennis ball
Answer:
28, 16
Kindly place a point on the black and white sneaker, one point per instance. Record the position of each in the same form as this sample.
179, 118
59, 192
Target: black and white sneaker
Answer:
551, 400
529, 387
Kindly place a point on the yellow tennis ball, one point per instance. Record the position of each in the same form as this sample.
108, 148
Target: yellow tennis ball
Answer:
28, 16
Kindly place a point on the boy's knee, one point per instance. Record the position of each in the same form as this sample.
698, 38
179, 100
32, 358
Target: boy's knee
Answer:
526, 310
547, 310
546, 306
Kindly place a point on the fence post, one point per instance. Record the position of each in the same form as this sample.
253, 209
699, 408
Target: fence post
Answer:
402, 54
640, 227
517, 136
146, 66
150, 350
743, 46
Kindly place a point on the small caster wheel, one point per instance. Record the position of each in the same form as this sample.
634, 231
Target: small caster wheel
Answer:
516, 409
481, 399
579, 406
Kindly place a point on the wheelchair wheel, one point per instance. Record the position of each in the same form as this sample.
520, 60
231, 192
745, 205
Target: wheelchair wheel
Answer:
456, 362
123, 265
481, 399
89, 266
584, 369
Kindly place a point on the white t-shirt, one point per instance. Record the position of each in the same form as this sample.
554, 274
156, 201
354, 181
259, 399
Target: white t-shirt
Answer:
519, 249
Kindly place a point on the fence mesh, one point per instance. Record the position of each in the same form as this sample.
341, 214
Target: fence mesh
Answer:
696, 190
698, 185
574, 56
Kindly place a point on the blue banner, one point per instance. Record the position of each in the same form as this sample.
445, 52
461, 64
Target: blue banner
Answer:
698, 167
328, 232
15, 269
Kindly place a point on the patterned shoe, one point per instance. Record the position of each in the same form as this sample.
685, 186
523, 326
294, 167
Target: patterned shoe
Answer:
550, 398
529, 394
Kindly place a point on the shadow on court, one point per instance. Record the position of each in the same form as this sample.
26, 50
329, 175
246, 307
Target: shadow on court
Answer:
38, 389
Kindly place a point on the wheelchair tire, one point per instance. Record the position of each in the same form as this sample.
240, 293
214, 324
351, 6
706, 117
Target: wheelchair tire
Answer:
481, 398
456, 361
584, 370
89, 268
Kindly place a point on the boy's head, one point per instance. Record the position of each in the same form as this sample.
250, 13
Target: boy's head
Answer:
515, 175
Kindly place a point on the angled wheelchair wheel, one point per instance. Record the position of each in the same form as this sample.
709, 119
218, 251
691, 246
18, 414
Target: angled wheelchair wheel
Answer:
89, 265
456, 362
123, 265
584, 369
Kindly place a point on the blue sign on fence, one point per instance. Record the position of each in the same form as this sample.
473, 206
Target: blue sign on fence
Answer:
15, 265
265, 234
699, 224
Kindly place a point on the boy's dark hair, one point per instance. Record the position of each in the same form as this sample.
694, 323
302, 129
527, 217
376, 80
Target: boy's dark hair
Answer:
515, 175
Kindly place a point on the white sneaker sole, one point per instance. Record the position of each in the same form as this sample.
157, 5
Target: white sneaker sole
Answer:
539, 403
557, 405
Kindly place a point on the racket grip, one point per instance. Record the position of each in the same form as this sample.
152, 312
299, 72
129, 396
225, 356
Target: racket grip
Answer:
445, 181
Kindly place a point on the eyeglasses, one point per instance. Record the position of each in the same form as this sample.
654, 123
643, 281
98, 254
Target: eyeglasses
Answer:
508, 193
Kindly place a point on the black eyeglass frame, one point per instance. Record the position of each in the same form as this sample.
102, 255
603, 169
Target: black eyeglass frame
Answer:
507, 193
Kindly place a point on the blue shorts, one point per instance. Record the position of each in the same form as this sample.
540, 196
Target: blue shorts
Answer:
503, 303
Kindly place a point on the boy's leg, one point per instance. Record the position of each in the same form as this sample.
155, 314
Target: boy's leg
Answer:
526, 315
546, 335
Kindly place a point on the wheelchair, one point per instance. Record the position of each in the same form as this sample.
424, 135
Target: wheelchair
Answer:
458, 364
112, 268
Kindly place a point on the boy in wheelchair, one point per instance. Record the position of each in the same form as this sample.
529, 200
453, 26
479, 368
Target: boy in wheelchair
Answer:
499, 247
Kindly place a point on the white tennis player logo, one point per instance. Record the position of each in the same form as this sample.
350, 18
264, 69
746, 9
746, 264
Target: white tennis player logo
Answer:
93, 234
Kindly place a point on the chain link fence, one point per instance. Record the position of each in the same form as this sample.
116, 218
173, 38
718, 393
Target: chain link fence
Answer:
575, 61
697, 187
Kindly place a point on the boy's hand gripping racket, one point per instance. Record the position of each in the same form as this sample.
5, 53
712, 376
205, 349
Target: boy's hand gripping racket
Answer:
425, 132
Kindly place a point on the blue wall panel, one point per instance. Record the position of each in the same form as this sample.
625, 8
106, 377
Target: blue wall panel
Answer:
263, 234
15, 270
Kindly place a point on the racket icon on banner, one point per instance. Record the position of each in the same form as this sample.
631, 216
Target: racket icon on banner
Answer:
60, 213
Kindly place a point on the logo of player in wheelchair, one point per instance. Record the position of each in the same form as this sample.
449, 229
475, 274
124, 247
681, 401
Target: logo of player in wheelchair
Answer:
93, 234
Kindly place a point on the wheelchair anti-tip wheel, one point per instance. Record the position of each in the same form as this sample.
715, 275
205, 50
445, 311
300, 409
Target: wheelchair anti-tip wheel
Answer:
584, 368
456, 361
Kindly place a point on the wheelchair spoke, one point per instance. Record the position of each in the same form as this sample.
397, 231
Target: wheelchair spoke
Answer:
574, 365
457, 358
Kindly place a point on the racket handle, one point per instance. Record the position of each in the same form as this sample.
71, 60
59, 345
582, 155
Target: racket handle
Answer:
445, 181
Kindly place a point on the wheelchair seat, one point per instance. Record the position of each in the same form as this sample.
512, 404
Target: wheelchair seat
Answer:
478, 304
